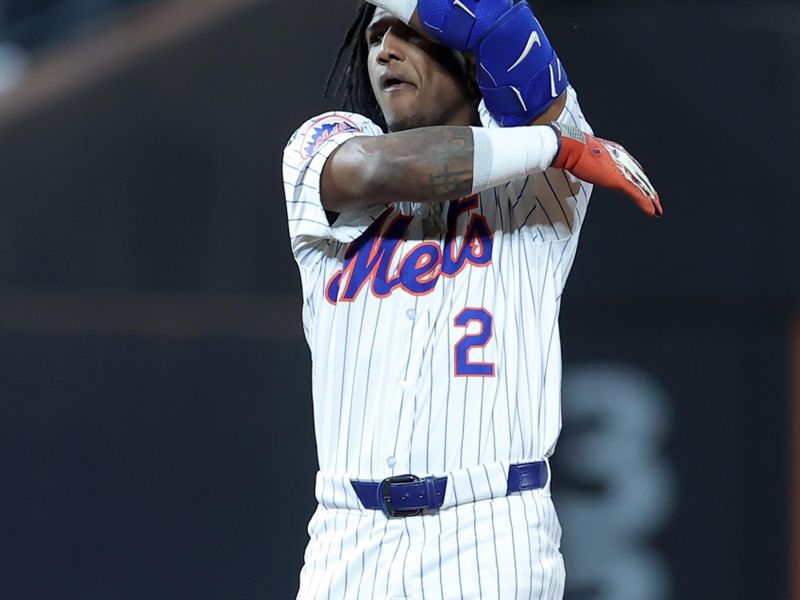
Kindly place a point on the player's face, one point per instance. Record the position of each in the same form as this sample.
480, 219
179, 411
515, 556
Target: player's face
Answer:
417, 83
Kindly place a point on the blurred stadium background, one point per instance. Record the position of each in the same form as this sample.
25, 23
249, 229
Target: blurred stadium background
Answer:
155, 411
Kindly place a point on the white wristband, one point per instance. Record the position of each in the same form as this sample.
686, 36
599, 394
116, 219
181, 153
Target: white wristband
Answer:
402, 9
505, 154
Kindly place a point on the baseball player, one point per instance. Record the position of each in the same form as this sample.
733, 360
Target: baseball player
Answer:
434, 221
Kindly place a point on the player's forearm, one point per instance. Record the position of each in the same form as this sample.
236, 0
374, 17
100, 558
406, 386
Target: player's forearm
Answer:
432, 164
553, 112
429, 164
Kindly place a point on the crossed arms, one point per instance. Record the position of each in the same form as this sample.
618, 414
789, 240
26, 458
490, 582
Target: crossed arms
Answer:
434, 164
429, 164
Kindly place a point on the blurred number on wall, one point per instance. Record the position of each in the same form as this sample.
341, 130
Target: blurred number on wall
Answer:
618, 487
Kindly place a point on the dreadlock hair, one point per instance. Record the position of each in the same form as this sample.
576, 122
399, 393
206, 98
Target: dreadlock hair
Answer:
348, 81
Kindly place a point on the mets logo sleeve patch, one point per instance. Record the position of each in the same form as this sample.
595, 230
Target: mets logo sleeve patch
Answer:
303, 160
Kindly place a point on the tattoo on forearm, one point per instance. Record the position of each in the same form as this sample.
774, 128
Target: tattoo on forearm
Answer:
457, 183
451, 161
442, 159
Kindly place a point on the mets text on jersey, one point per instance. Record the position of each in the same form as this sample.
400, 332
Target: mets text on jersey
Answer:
367, 259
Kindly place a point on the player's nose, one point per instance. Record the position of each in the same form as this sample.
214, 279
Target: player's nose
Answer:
391, 48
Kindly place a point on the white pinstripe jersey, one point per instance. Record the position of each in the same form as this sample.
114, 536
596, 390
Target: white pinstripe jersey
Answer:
433, 328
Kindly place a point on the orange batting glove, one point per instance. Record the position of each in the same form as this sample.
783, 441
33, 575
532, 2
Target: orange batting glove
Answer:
606, 164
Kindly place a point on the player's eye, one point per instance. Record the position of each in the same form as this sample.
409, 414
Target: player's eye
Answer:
375, 38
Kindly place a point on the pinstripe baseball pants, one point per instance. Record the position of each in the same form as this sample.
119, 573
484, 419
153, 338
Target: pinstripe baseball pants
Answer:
501, 548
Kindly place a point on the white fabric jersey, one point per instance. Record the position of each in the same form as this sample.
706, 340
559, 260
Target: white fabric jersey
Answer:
435, 350
392, 393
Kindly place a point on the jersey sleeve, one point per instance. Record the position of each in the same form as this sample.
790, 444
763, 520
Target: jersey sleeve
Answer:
303, 161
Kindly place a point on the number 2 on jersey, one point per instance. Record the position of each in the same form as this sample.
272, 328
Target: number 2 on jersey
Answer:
462, 365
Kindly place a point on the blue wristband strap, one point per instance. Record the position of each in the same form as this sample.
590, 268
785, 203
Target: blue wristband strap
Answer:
518, 71
461, 24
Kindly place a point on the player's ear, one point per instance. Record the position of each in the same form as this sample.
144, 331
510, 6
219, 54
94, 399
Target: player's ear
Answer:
475, 93
466, 62
468, 65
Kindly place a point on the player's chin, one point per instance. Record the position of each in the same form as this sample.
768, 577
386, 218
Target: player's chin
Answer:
402, 111
403, 120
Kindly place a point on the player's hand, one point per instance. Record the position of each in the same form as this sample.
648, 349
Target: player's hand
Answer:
606, 164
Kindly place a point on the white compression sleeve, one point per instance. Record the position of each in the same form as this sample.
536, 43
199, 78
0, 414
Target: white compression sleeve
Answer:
505, 154
403, 9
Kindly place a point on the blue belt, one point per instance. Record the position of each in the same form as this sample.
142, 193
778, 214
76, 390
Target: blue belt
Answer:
409, 495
